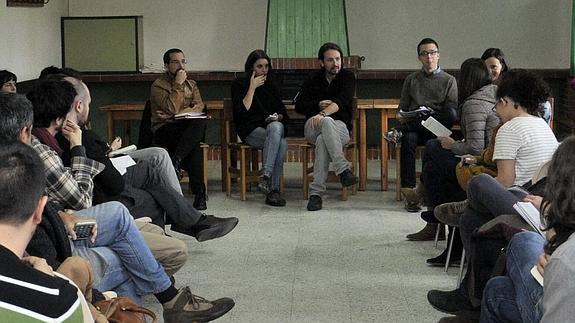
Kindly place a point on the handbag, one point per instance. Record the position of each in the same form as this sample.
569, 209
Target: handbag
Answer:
124, 310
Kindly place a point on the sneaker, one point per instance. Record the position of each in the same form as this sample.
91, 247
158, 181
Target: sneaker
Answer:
414, 195
451, 302
265, 184
393, 136
347, 178
449, 213
187, 307
314, 203
427, 233
208, 227
274, 198
200, 201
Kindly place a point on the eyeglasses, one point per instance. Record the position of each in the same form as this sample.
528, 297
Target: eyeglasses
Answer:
182, 62
432, 53
502, 101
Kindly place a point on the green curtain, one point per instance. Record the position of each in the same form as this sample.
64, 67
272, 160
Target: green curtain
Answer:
297, 28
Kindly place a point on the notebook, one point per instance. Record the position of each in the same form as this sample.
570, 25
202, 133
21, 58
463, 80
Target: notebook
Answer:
436, 127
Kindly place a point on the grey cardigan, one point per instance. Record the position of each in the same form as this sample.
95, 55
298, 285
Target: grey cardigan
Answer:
477, 121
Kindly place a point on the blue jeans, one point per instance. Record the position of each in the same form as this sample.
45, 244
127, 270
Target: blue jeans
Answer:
162, 164
271, 140
516, 297
120, 258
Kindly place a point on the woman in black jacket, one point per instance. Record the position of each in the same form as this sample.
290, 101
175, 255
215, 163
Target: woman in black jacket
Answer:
259, 117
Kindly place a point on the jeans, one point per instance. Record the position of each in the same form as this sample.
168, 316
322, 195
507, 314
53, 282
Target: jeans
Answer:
120, 258
516, 297
328, 138
182, 140
271, 140
486, 199
162, 164
177, 208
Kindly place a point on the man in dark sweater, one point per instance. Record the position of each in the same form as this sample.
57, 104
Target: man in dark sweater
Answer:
430, 87
326, 101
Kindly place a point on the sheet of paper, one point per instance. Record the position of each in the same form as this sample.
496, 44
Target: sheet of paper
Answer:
535, 273
191, 115
436, 127
530, 214
121, 163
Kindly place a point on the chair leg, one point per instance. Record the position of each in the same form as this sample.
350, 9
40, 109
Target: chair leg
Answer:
228, 178
398, 172
460, 277
304, 162
449, 249
243, 170
439, 225
206, 151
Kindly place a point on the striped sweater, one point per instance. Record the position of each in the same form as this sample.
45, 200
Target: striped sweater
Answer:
28, 295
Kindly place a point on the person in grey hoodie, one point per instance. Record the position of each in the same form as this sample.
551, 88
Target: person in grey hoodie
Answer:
476, 101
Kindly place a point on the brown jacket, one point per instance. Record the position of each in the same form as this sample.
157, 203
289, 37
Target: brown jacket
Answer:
172, 98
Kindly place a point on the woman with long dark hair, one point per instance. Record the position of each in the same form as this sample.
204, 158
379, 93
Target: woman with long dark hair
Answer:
495, 61
517, 296
259, 117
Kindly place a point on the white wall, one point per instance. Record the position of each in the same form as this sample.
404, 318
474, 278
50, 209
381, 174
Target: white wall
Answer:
31, 38
532, 33
214, 34
218, 34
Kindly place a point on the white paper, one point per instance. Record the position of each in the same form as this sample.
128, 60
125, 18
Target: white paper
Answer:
191, 115
121, 163
123, 150
537, 275
530, 214
436, 127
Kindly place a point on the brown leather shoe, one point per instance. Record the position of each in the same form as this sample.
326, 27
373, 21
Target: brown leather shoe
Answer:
427, 233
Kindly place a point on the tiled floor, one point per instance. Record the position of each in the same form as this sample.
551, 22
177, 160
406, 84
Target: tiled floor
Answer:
349, 262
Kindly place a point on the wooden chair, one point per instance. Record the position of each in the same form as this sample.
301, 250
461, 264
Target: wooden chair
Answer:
350, 151
247, 171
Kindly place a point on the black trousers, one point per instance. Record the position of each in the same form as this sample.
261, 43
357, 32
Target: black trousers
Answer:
182, 140
414, 134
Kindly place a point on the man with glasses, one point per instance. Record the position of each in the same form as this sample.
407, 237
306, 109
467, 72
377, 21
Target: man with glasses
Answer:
172, 94
434, 89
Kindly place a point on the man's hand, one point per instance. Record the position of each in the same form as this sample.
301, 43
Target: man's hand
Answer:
316, 120
198, 108
257, 81
324, 104
162, 115
116, 144
446, 142
70, 219
543, 260
39, 264
72, 132
181, 76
